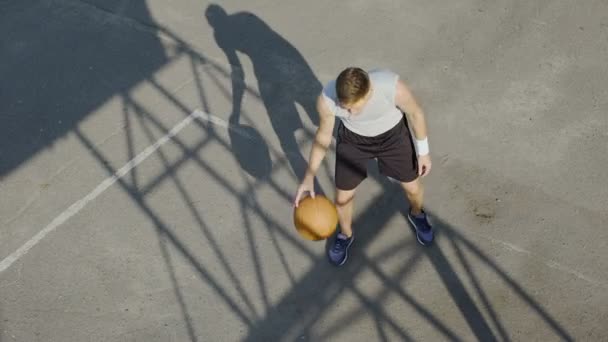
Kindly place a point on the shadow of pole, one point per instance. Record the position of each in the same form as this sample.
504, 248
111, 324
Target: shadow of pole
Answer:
458, 238
296, 312
165, 234
324, 283
461, 297
478, 288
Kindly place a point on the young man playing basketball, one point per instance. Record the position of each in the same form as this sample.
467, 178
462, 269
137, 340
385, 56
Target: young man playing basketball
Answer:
370, 107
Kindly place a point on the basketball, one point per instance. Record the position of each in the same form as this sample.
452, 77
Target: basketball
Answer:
315, 218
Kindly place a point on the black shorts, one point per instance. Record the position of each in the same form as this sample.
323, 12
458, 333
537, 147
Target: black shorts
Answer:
394, 150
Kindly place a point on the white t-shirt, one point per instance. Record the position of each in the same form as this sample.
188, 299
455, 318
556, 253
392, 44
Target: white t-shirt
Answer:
379, 113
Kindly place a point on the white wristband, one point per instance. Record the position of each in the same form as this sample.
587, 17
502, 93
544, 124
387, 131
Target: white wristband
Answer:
422, 146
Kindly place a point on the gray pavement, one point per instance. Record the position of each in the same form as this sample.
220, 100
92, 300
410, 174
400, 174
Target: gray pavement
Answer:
143, 199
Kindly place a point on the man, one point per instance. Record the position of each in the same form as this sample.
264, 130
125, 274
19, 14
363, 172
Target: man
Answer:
370, 107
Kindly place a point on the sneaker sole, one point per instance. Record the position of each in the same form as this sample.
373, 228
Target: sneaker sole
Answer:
417, 236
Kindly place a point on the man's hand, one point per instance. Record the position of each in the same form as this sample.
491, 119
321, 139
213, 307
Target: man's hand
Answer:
308, 184
424, 165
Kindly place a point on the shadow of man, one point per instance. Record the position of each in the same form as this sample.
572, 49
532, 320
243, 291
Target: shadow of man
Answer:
284, 77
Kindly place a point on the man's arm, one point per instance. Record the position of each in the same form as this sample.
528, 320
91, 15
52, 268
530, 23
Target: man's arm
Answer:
322, 137
404, 99
237, 76
238, 81
319, 148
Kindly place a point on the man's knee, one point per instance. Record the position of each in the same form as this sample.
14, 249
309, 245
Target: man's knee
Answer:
412, 188
344, 197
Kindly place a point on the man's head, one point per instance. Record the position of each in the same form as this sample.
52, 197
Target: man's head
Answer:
352, 89
215, 14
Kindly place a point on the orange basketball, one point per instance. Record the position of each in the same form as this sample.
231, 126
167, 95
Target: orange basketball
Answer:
315, 218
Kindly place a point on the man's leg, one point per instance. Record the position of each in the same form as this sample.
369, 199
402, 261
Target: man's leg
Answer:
400, 162
351, 170
338, 253
344, 203
417, 217
415, 194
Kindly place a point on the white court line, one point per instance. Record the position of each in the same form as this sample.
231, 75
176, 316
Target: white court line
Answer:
103, 186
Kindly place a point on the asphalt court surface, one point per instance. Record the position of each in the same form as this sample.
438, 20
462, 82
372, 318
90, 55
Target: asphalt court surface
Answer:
139, 202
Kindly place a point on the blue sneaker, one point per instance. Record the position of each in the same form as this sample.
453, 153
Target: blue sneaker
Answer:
338, 253
424, 231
